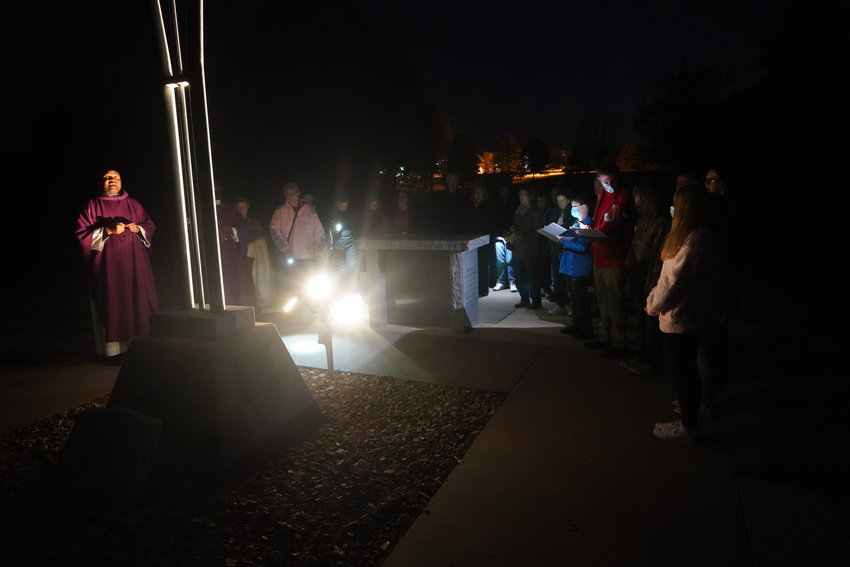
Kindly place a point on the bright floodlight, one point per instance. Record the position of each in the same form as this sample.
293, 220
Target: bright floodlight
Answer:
319, 286
290, 261
338, 227
349, 310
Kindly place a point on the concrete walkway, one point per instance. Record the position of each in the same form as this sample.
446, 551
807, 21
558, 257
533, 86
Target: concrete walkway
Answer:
567, 471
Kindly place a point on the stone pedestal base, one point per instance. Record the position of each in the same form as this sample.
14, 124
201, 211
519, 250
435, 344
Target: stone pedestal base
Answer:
223, 401
109, 463
205, 324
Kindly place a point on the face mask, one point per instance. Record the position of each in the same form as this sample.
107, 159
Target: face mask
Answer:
671, 210
608, 188
574, 212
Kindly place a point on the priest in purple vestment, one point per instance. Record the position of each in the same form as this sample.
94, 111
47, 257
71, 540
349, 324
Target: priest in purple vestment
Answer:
115, 233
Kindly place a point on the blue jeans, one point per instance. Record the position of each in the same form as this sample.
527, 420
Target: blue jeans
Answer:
504, 270
345, 258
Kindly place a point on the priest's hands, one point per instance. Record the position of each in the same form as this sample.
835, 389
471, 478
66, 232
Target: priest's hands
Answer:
120, 227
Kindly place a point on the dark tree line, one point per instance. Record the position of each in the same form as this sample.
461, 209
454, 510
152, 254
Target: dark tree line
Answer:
772, 139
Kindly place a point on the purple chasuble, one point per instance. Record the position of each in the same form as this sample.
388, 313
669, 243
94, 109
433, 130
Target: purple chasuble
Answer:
122, 280
234, 257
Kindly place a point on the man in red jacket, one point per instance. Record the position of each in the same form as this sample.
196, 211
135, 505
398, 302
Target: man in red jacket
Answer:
613, 216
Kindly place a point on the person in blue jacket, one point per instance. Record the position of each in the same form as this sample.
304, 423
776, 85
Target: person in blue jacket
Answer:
577, 266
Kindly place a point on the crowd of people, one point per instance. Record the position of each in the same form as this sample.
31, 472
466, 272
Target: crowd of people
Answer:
654, 259
665, 255
661, 253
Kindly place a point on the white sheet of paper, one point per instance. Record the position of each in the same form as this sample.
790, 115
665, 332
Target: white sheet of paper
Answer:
553, 230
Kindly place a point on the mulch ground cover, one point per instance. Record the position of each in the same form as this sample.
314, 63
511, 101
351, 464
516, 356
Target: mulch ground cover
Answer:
343, 496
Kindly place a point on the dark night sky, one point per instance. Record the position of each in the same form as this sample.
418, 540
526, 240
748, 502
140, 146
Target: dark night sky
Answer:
87, 95
527, 71
531, 69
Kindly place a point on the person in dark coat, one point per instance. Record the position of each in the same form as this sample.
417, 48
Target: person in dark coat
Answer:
446, 208
527, 250
481, 220
342, 221
560, 215
642, 268
233, 247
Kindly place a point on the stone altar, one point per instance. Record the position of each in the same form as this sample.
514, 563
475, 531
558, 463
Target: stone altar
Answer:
422, 280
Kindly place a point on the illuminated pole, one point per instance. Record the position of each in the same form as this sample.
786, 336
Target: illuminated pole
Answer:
185, 91
326, 338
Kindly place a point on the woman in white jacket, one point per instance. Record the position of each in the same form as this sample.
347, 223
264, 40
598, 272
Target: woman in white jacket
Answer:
686, 300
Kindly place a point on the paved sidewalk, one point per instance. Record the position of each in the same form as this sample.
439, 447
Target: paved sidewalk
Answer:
566, 473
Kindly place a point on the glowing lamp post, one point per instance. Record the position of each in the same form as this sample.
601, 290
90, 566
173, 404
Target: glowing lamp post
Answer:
346, 310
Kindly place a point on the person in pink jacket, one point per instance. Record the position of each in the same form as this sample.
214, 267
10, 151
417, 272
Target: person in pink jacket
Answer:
297, 233
686, 299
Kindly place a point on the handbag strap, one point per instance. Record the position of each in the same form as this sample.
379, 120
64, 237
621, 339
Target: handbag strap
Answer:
292, 226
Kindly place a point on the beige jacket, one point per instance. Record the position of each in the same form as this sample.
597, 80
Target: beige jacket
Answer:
687, 297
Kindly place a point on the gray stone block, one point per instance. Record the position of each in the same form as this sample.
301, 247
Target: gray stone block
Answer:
223, 402
110, 458
203, 324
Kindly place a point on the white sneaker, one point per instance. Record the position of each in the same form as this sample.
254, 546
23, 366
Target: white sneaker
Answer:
557, 310
513, 288
676, 431
499, 286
